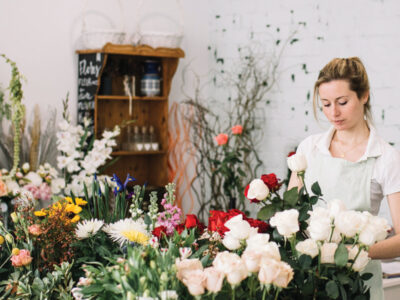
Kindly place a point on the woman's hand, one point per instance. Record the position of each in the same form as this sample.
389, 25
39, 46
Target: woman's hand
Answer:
389, 248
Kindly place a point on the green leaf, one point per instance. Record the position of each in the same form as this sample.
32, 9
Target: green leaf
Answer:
366, 276
305, 261
266, 212
205, 259
315, 188
290, 197
343, 278
341, 255
313, 200
332, 290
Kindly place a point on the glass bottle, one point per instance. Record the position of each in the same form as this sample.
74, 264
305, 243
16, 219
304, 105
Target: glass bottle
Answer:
137, 139
146, 139
153, 139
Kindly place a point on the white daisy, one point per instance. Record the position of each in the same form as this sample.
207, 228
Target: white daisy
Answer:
128, 230
88, 228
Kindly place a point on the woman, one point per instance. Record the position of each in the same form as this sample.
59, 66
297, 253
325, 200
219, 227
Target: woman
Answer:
350, 161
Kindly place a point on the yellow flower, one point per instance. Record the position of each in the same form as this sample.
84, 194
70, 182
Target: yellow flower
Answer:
40, 213
80, 201
15, 251
69, 199
57, 206
1, 240
75, 219
136, 236
76, 209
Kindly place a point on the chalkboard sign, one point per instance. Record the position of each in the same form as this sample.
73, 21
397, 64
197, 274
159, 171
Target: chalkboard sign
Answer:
89, 66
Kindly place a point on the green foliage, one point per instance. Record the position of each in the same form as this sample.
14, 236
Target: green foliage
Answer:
25, 284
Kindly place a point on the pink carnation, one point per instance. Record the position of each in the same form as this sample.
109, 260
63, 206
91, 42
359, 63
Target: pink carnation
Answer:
22, 259
45, 191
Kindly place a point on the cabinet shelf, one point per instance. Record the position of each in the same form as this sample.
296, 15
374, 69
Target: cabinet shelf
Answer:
127, 153
136, 98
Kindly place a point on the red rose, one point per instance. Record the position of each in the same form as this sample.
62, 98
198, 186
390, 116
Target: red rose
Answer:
234, 212
179, 228
245, 194
159, 231
291, 153
192, 222
261, 225
271, 181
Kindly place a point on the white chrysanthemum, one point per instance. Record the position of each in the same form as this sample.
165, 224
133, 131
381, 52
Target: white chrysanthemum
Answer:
88, 228
128, 230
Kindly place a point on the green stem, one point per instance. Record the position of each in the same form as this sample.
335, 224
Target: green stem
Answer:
277, 293
233, 292
264, 293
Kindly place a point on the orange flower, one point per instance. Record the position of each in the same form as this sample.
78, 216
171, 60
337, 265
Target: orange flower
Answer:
35, 229
237, 129
221, 139
3, 188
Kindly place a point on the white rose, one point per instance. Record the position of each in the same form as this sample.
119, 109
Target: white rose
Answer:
308, 247
230, 242
238, 228
269, 271
232, 266
361, 261
328, 253
34, 178
257, 190
319, 224
350, 222
256, 241
286, 222
376, 230
335, 206
251, 259
270, 250
297, 162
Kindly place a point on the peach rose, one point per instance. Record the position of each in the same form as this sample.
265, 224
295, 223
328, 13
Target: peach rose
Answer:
187, 265
285, 275
194, 281
221, 139
237, 129
213, 279
35, 229
22, 259
269, 271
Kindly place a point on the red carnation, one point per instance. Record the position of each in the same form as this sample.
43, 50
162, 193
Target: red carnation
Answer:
192, 222
217, 220
159, 231
179, 228
271, 181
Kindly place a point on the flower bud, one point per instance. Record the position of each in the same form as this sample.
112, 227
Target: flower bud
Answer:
164, 277
1, 240
25, 167
9, 238
152, 264
142, 280
15, 251
14, 217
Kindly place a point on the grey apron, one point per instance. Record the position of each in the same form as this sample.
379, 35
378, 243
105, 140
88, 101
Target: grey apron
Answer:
351, 183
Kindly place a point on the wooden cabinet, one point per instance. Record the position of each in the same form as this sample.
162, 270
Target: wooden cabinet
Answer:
103, 98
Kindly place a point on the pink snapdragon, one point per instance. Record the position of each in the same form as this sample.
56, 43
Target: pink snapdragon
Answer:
170, 217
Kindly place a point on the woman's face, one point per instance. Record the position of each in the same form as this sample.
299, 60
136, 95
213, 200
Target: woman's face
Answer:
341, 106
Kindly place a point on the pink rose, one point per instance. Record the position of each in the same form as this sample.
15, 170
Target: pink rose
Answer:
221, 139
237, 129
22, 259
35, 229
33, 189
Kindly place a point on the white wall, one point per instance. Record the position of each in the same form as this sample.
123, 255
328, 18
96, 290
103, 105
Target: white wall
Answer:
42, 35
